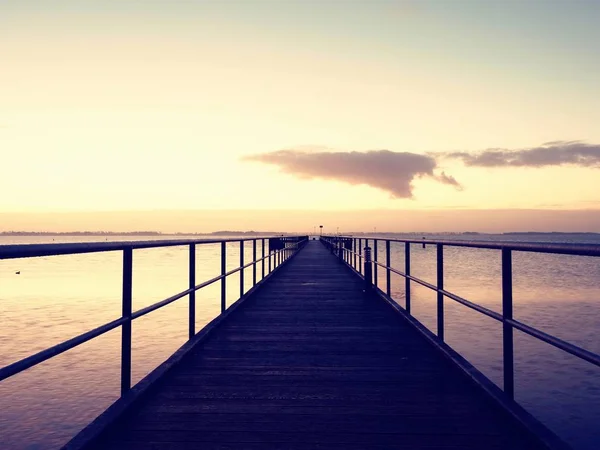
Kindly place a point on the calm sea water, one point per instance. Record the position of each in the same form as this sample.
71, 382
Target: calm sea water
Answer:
55, 298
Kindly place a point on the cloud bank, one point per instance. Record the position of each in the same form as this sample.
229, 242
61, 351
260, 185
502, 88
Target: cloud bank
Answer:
390, 171
554, 153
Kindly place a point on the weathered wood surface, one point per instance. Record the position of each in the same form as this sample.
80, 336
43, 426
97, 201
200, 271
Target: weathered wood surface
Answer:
311, 362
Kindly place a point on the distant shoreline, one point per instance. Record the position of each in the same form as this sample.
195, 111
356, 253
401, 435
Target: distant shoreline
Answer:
278, 233
136, 233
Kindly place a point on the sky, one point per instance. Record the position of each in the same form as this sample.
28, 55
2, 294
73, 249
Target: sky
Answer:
402, 107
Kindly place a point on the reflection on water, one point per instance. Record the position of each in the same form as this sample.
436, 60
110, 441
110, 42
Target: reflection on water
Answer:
55, 298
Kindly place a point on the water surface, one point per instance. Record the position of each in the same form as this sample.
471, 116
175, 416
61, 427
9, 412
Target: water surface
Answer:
55, 298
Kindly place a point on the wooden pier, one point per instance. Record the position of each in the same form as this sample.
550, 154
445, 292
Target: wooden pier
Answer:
312, 361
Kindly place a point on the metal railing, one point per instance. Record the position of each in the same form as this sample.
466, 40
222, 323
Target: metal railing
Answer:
286, 247
350, 251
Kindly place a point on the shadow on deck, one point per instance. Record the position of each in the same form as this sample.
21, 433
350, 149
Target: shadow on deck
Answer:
311, 361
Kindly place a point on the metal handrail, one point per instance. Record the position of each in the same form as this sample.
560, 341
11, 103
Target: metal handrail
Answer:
274, 257
33, 250
355, 258
537, 247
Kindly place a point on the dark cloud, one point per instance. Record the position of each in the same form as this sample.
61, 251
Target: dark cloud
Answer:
390, 171
448, 179
555, 153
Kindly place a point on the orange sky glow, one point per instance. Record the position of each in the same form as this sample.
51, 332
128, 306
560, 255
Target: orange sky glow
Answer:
199, 116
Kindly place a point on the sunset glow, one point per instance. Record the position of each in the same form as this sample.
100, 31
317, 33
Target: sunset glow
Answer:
130, 106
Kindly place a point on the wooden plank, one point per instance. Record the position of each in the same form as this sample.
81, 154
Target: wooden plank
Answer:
314, 362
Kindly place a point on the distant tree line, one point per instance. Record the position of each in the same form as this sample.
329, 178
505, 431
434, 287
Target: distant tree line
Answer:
132, 233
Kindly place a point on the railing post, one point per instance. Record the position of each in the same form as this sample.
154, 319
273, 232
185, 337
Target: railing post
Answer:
354, 250
223, 272
192, 308
241, 270
126, 327
375, 266
254, 265
263, 259
388, 287
507, 330
368, 269
270, 253
360, 256
440, 296
407, 280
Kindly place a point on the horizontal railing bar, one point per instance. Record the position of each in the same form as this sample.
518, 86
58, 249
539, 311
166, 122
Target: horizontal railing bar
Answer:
565, 249
421, 282
475, 306
547, 248
415, 279
482, 309
44, 355
556, 342
160, 304
171, 299
35, 250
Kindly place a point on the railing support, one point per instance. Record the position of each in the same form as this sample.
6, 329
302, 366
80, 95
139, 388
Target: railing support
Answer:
192, 297
241, 270
440, 296
375, 266
360, 256
223, 280
368, 269
126, 327
354, 250
263, 260
407, 280
254, 265
507, 330
388, 286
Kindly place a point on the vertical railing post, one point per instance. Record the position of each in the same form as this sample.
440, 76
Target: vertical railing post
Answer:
192, 298
360, 256
126, 327
223, 272
507, 329
407, 279
270, 253
354, 250
440, 296
388, 287
254, 265
263, 259
375, 265
241, 270
368, 269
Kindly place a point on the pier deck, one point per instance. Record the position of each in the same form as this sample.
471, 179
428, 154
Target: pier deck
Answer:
311, 361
